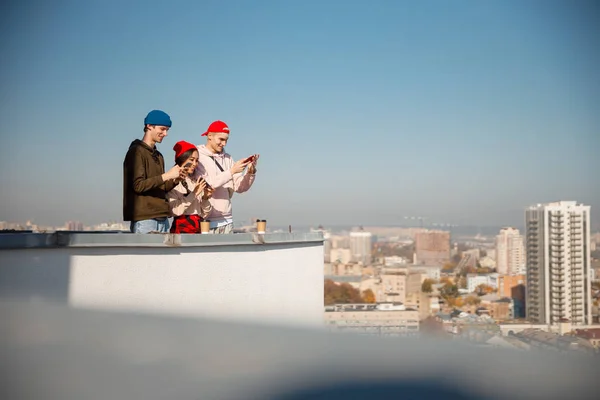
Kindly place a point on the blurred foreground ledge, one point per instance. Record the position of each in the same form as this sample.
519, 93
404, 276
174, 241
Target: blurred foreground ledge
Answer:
52, 351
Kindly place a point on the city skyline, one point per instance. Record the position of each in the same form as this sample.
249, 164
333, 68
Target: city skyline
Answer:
458, 234
485, 230
465, 113
462, 232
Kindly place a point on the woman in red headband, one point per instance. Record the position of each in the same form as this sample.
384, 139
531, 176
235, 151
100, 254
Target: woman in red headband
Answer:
189, 200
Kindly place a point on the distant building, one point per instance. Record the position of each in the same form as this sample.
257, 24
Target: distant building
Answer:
394, 260
339, 242
552, 341
591, 335
414, 282
326, 245
497, 307
432, 271
348, 269
393, 287
338, 255
487, 262
74, 226
432, 248
112, 226
474, 280
467, 261
360, 246
454, 250
507, 284
475, 253
415, 298
510, 252
513, 287
558, 263
424, 303
384, 319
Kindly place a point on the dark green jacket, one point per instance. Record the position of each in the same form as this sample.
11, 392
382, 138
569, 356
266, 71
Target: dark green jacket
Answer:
144, 192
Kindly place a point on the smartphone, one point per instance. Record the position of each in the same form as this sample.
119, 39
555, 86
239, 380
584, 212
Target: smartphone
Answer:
250, 159
207, 185
186, 168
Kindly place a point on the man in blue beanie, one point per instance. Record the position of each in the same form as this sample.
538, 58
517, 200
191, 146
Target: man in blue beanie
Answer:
145, 183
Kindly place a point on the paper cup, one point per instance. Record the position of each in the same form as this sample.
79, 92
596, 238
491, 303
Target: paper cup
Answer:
261, 226
205, 227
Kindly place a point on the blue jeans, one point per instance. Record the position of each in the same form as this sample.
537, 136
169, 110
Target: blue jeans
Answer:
156, 225
225, 229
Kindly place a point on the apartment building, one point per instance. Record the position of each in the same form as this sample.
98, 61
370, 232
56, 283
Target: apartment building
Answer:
339, 255
513, 287
360, 246
474, 280
508, 286
393, 286
383, 319
510, 252
432, 248
432, 271
558, 263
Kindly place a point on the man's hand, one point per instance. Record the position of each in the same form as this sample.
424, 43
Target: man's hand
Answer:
172, 174
252, 167
239, 166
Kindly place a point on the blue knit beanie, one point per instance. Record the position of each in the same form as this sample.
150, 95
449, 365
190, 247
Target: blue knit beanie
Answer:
157, 117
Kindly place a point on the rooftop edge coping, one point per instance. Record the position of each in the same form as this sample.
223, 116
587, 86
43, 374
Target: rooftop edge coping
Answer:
11, 241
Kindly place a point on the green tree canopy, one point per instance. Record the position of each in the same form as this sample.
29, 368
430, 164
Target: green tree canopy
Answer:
427, 286
342, 293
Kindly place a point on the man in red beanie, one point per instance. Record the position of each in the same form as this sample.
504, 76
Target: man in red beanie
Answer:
224, 175
145, 183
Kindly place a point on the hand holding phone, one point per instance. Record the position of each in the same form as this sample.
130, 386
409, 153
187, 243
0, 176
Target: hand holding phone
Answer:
204, 187
240, 165
202, 181
252, 166
200, 186
207, 185
186, 168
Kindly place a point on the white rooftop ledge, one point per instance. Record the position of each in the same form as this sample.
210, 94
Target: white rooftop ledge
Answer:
271, 278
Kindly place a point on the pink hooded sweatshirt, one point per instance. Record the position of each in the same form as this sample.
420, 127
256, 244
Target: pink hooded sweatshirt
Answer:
222, 181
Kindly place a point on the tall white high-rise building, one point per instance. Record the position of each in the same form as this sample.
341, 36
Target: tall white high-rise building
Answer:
510, 252
360, 246
558, 263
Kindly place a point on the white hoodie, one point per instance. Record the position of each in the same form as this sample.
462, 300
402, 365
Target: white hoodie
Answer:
223, 182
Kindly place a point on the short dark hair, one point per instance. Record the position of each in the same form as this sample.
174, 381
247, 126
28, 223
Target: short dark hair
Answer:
183, 158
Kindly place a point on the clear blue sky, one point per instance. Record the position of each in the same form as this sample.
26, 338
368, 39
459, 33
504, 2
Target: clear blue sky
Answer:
363, 111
